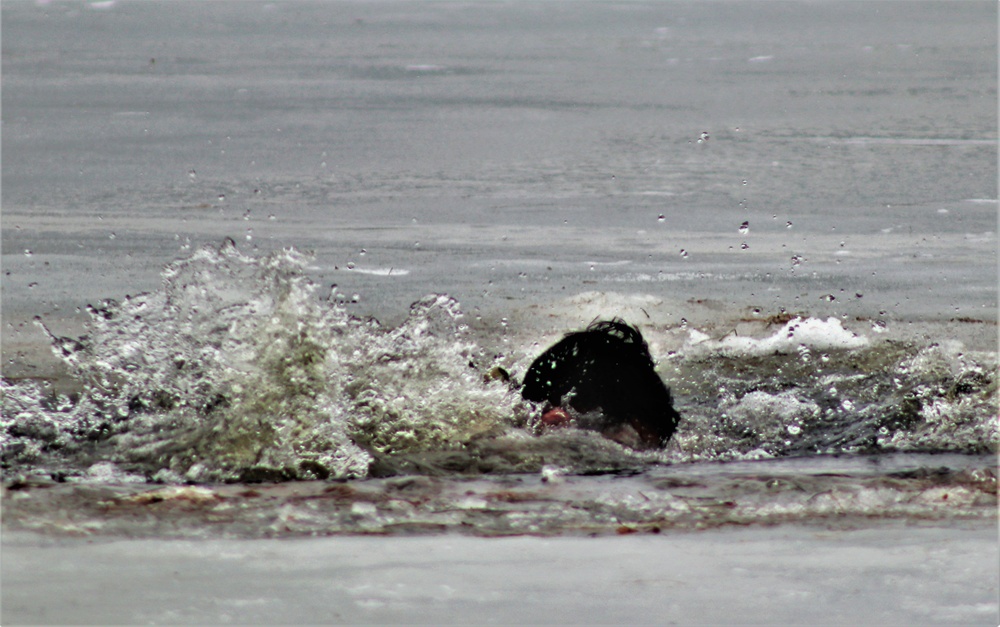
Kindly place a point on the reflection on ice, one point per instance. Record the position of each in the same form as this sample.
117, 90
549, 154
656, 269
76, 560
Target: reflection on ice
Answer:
382, 271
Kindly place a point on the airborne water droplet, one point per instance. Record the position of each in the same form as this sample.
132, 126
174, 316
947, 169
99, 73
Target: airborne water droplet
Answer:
661, 219
745, 227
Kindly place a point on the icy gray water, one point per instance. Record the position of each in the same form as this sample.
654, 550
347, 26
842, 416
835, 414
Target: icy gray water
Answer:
796, 203
236, 369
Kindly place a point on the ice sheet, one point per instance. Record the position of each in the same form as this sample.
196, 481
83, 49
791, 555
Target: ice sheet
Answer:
896, 574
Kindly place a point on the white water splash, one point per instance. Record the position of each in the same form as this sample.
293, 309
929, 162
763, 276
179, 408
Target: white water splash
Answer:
235, 370
797, 333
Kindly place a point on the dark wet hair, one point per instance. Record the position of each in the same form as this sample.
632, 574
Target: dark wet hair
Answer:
606, 367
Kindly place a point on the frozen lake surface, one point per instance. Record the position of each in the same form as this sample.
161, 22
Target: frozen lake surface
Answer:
780, 575
221, 221
510, 154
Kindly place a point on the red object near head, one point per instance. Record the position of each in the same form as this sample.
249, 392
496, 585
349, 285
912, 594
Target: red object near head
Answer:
556, 417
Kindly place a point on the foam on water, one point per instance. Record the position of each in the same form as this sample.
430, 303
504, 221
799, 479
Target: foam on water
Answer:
796, 335
236, 369
829, 391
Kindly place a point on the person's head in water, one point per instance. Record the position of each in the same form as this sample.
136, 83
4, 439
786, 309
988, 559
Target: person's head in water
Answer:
605, 376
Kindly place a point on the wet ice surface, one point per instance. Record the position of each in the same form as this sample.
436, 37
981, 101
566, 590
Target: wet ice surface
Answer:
795, 204
534, 162
784, 575
827, 493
